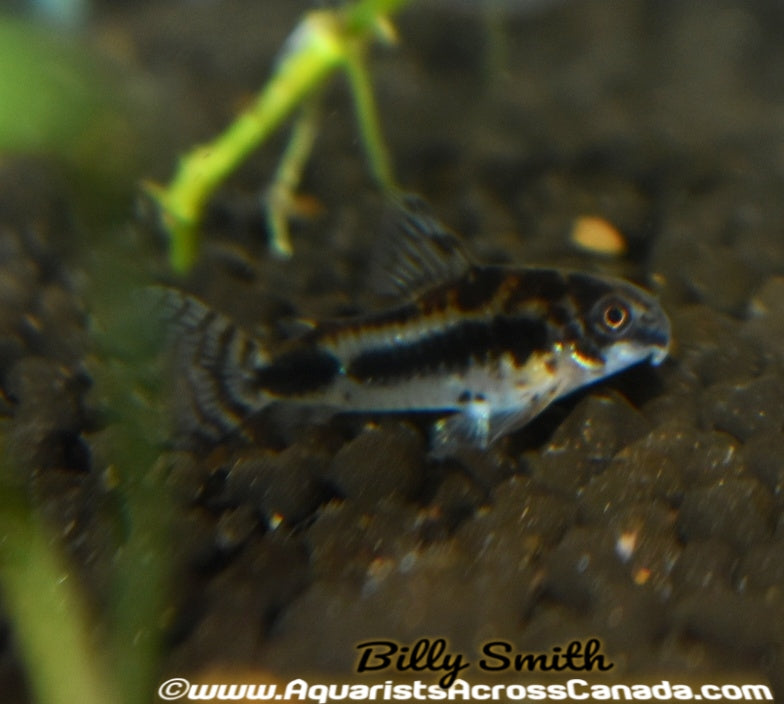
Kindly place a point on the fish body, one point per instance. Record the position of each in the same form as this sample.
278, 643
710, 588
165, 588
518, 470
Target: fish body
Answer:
490, 346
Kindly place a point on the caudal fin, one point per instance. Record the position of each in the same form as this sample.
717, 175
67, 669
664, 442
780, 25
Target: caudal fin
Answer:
215, 366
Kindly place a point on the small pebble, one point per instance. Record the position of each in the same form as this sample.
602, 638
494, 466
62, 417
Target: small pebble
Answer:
282, 486
736, 511
344, 540
761, 570
717, 615
235, 527
642, 471
582, 567
704, 564
763, 455
594, 234
586, 441
765, 324
745, 408
380, 461
711, 347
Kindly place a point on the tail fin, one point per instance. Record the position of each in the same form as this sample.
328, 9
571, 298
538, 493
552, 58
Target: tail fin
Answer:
215, 366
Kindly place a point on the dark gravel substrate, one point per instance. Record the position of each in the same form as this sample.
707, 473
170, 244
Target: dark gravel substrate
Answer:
646, 512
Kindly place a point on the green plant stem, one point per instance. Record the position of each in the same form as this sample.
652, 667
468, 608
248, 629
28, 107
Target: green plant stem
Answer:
365, 15
323, 42
280, 195
367, 118
316, 53
48, 617
127, 373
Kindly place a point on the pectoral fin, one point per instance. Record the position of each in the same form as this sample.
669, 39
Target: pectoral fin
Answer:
478, 426
470, 426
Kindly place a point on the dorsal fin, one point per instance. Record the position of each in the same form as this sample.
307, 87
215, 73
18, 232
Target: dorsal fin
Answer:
418, 252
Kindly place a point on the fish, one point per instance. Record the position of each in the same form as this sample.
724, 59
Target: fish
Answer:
486, 347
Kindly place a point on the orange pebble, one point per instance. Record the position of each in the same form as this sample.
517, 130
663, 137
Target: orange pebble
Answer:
597, 235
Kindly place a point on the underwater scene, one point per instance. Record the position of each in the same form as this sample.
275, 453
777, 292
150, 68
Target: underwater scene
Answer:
391, 350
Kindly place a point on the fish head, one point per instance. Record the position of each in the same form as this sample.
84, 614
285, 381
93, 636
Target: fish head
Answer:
621, 325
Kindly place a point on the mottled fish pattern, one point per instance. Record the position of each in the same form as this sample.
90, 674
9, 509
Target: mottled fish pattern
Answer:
488, 346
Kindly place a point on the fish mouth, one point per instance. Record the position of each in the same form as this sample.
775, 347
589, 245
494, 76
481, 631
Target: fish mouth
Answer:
659, 355
659, 336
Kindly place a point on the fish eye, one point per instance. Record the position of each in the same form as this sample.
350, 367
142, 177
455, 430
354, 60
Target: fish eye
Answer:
615, 316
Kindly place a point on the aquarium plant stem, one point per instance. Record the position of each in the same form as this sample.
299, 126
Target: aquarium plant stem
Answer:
321, 43
367, 118
42, 598
279, 198
314, 52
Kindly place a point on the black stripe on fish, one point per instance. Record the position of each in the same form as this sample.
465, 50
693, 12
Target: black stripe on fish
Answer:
585, 288
298, 372
545, 285
561, 313
479, 288
484, 287
453, 349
